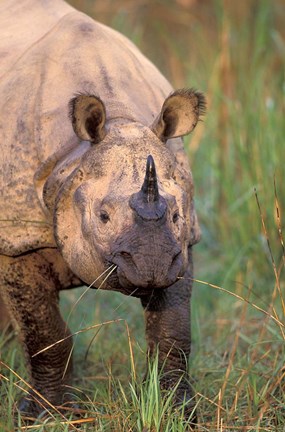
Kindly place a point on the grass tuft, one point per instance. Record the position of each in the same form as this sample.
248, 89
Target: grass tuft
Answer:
234, 53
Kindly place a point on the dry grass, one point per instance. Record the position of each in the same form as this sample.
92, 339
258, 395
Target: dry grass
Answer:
234, 52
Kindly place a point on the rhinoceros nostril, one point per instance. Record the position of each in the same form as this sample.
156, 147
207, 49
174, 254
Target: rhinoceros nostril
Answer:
125, 262
126, 257
176, 258
176, 255
125, 254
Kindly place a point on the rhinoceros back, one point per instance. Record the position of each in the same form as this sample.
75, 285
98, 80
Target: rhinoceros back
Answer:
66, 55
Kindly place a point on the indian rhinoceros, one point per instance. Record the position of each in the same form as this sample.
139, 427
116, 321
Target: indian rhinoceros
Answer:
93, 176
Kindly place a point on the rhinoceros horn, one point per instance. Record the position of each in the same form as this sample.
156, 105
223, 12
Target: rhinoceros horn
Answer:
147, 203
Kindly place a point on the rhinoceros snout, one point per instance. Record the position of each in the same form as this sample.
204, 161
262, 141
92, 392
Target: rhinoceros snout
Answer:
148, 255
148, 270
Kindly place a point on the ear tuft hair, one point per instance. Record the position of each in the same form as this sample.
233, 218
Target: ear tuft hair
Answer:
180, 114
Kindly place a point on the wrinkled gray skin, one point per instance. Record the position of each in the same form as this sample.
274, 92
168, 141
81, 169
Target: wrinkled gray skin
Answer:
108, 184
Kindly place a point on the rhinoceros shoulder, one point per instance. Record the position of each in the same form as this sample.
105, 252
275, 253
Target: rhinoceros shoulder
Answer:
41, 70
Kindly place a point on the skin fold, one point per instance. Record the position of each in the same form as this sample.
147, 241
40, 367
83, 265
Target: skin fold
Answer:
93, 174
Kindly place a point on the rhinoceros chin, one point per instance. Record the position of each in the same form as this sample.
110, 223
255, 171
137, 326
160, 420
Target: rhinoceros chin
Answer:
148, 256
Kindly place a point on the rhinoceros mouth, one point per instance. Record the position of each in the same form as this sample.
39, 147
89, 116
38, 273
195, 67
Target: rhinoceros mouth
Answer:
120, 283
131, 276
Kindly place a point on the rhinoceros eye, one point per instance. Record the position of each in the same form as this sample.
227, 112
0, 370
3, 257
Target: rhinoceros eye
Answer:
175, 217
104, 216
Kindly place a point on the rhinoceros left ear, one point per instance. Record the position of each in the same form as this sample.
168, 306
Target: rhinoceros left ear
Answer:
88, 116
179, 114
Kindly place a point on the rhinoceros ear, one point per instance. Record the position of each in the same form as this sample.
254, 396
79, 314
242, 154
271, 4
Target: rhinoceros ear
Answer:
88, 116
179, 114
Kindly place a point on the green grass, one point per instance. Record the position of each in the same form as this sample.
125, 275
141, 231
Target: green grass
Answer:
234, 52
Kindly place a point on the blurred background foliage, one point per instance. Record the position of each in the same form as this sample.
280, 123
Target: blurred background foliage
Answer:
234, 52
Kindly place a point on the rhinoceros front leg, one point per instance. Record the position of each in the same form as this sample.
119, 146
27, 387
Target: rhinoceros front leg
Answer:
30, 290
4, 316
167, 317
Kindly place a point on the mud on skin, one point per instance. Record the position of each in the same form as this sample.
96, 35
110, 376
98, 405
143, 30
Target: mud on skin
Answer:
92, 173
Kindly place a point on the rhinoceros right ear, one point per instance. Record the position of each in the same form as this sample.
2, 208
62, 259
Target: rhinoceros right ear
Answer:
179, 114
88, 116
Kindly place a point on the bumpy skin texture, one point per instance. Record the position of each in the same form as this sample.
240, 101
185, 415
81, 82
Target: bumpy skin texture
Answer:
89, 183
167, 318
30, 286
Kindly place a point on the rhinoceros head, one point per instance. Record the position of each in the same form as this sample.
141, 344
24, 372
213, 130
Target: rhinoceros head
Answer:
128, 206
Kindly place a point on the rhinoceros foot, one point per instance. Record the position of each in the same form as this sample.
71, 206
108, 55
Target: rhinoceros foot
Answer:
183, 399
31, 410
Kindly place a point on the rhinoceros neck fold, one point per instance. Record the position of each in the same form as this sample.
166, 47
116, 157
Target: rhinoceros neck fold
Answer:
52, 174
118, 111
